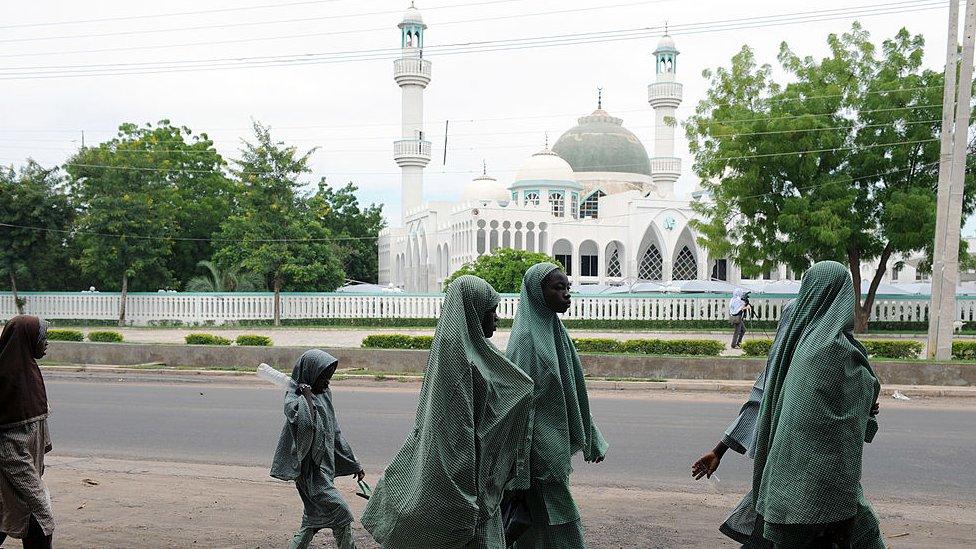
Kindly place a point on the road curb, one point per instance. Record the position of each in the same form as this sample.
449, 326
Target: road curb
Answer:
677, 385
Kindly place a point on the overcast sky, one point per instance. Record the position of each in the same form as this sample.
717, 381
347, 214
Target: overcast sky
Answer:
500, 104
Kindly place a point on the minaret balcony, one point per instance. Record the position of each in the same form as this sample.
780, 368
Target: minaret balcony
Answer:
411, 152
664, 94
666, 167
411, 71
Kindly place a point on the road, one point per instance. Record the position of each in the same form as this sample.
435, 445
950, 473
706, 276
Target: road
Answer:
916, 457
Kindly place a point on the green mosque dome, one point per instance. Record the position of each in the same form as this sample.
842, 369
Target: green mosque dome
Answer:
600, 143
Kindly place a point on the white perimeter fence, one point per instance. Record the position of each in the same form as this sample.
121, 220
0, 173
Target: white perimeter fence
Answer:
219, 308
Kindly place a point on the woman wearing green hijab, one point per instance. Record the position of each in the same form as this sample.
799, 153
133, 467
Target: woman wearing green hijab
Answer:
816, 413
560, 424
444, 487
312, 452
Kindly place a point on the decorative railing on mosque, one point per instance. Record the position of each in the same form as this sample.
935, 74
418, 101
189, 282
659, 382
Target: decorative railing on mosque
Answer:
411, 67
188, 308
665, 164
411, 148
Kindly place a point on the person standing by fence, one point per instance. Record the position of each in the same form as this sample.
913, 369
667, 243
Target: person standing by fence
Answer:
25, 505
739, 307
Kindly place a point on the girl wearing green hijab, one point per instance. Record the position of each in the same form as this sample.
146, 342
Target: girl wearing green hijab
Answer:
312, 452
816, 414
444, 487
560, 424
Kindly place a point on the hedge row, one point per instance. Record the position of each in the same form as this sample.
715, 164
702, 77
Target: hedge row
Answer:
397, 341
242, 340
206, 339
65, 335
105, 337
695, 347
881, 348
964, 350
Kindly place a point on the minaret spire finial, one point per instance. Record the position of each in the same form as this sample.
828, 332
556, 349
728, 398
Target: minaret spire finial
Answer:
599, 98
547, 141
665, 27
484, 167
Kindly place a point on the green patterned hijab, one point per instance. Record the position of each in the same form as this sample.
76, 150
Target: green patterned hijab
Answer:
815, 411
561, 423
451, 471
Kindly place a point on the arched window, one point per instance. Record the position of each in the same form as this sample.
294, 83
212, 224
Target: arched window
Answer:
562, 250
651, 264
591, 205
685, 265
557, 200
589, 259
614, 269
532, 197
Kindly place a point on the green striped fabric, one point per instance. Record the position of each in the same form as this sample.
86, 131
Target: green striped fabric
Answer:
814, 415
560, 424
443, 488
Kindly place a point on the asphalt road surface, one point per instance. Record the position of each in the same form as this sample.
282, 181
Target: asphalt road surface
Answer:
920, 454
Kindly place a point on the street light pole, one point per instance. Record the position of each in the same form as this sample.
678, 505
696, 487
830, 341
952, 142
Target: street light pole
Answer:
952, 175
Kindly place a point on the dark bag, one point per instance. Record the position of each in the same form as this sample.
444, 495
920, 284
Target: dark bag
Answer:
516, 517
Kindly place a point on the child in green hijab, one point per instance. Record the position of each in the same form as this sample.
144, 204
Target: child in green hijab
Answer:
312, 452
560, 424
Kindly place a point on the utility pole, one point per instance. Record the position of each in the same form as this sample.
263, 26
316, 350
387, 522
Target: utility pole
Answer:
952, 174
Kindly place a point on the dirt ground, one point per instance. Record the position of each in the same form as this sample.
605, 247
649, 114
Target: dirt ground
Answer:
107, 503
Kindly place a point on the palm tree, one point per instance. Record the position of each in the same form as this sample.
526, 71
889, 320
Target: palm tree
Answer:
231, 280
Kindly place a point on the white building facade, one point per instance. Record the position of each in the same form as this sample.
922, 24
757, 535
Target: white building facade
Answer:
595, 200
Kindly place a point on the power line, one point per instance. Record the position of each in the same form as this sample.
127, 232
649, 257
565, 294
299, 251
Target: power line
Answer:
318, 18
158, 15
473, 147
450, 49
445, 230
445, 172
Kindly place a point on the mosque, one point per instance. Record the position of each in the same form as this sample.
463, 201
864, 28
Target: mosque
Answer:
595, 200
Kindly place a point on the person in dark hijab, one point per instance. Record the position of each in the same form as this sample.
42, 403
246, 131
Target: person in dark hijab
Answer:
312, 452
25, 506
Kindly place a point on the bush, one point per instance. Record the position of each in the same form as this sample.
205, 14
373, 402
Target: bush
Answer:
206, 339
693, 347
757, 347
598, 345
397, 341
252, 340
104, 337
964, 350
892, 348
65, 335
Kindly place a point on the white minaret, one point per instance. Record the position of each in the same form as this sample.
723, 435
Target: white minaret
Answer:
412, 74
664, 96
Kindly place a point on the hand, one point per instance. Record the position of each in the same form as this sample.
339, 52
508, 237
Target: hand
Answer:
360, 475
875, 408
706, 465
304, 389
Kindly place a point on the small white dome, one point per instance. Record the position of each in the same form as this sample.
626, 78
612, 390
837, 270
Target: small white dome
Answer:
545, 165
485, 187
412, 15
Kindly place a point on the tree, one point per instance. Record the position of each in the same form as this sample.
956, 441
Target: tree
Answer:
503, 269
273, 232
840, 163
216, 280
127, 201
356, 228
37, 216
202, 193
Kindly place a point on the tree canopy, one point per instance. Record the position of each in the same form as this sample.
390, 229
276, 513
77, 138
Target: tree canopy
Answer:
503, 269
839, 161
